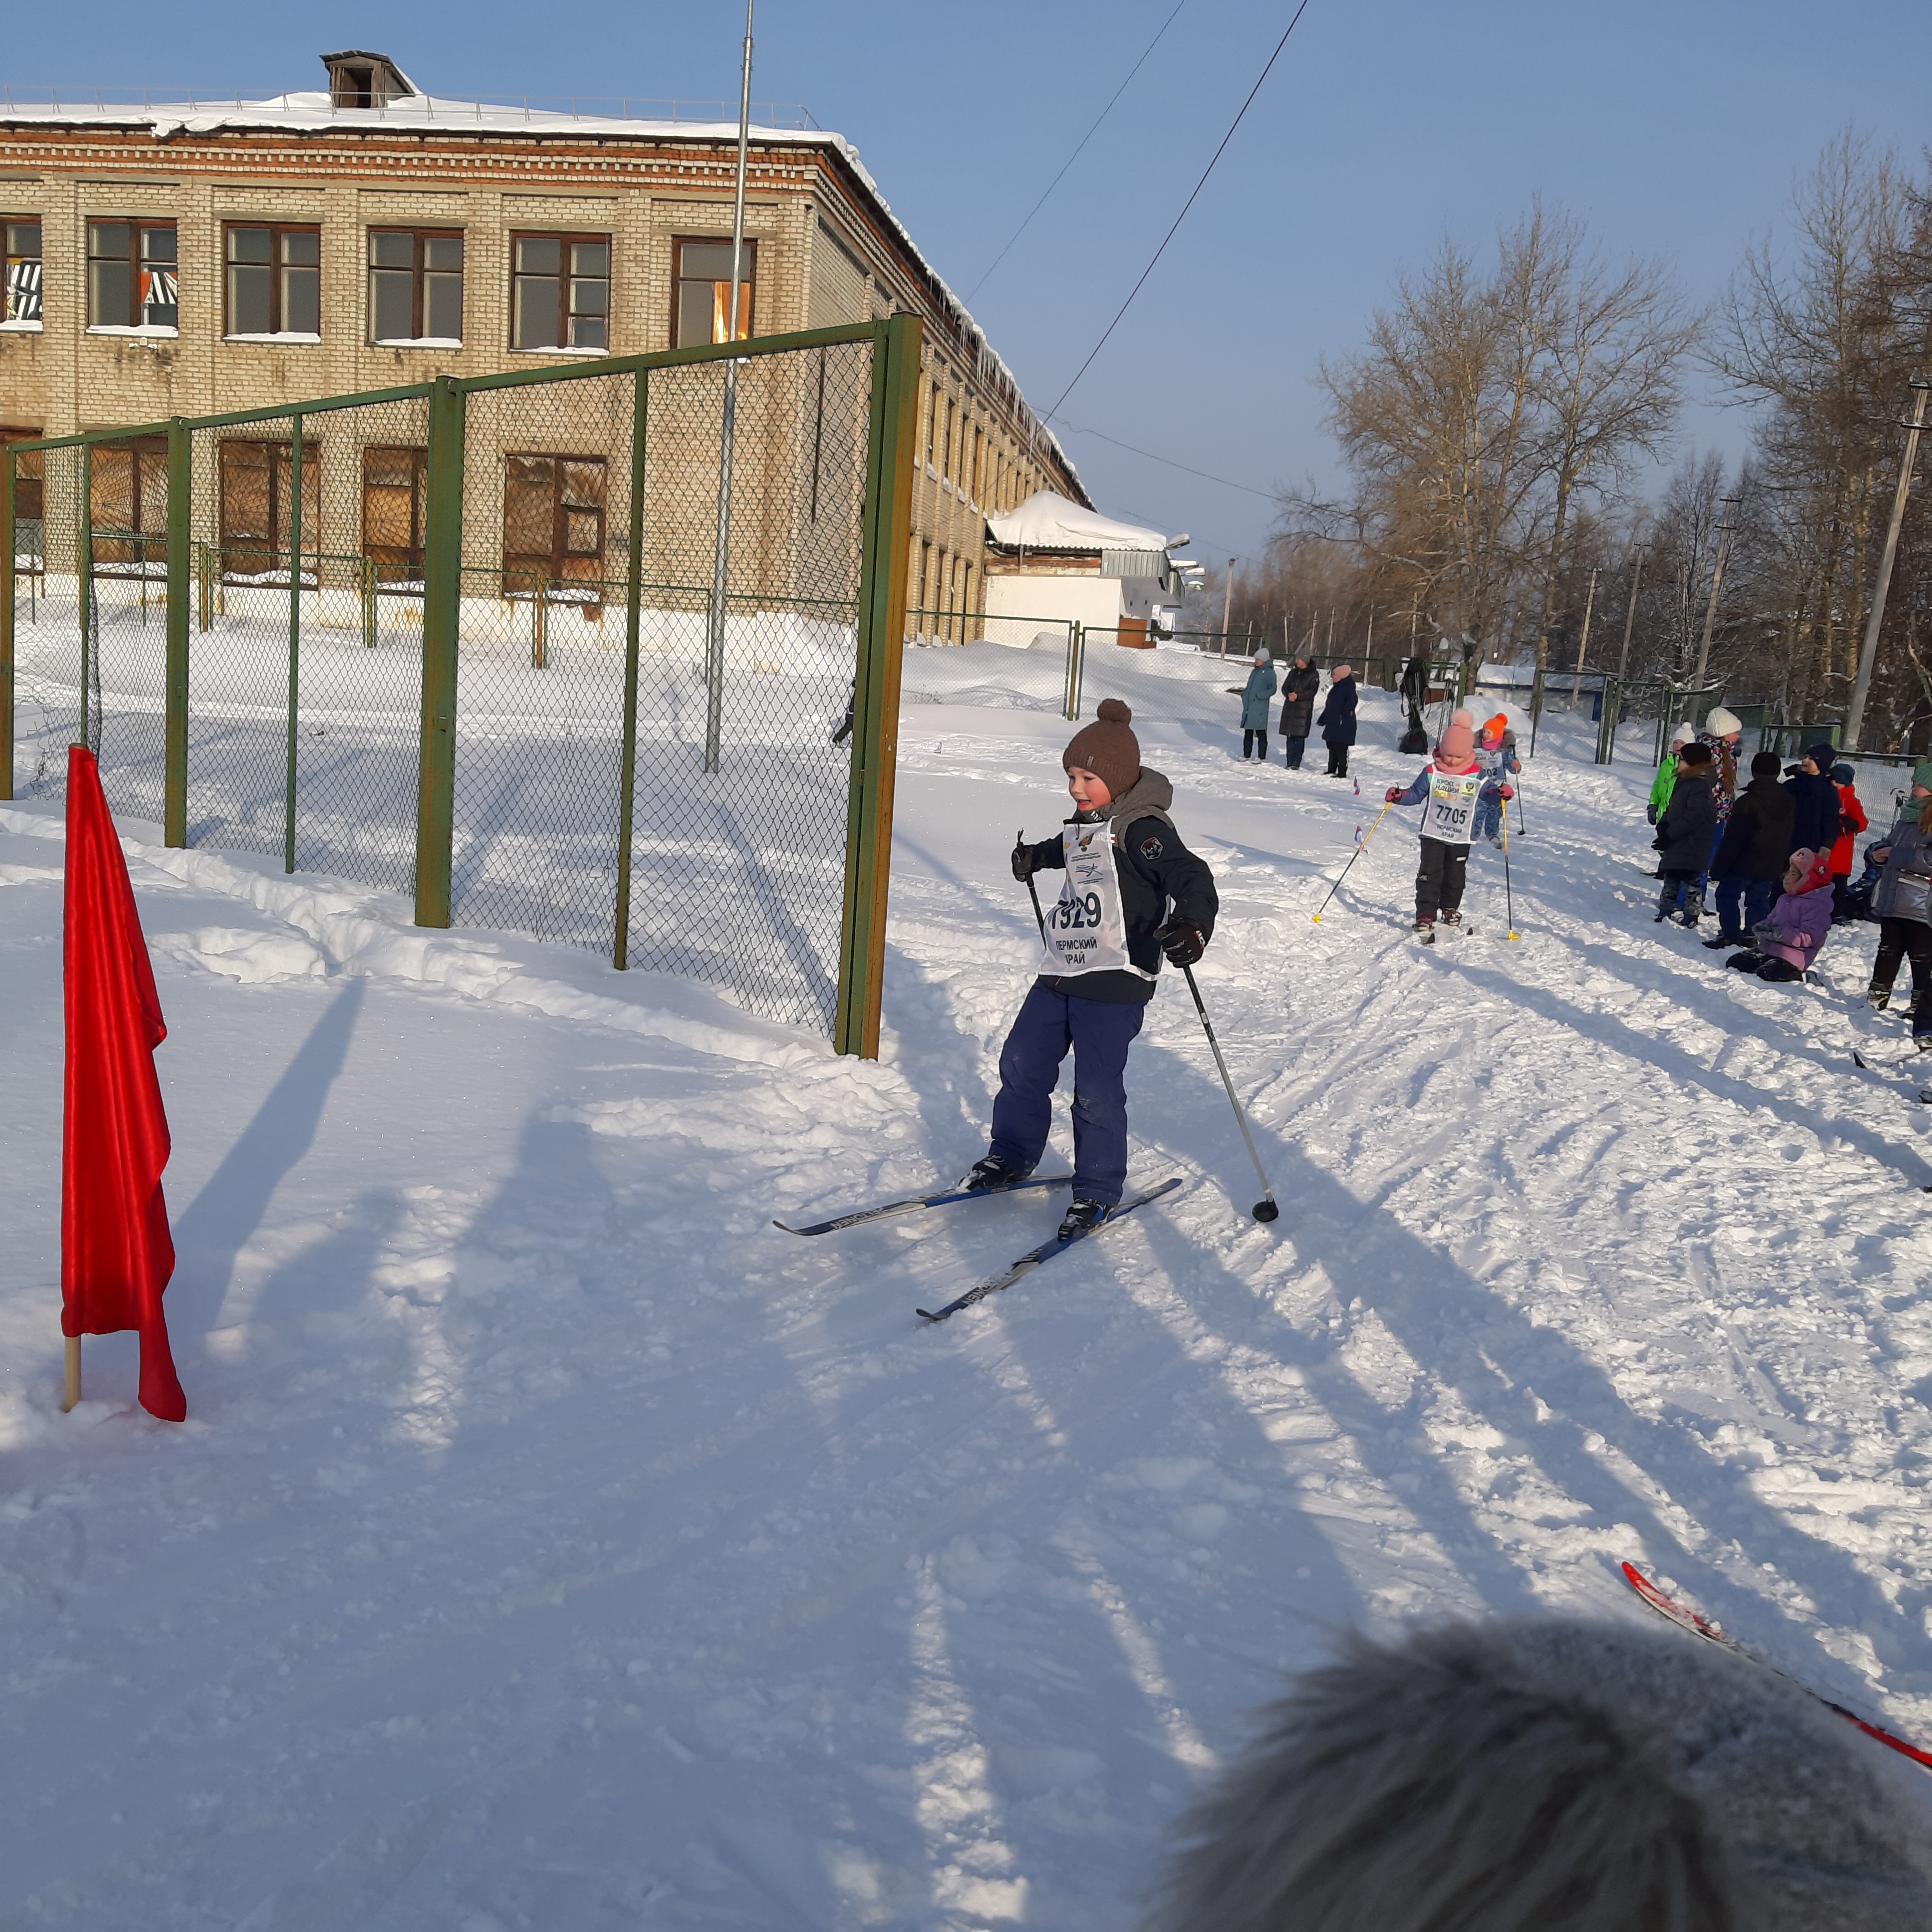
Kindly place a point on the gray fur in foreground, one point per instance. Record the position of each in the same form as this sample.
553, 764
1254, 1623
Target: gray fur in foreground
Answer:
1553, 1776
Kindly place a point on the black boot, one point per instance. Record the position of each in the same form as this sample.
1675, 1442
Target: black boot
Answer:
993, 1173
1082, 1218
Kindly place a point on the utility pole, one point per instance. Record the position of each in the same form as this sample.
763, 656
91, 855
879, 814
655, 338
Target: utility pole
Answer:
1630, 615
1583, 643
1717, 583
1227, 608
1855, 719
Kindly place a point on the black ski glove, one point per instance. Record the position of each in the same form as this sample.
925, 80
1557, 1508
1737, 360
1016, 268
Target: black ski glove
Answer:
1181, 941
1022, 860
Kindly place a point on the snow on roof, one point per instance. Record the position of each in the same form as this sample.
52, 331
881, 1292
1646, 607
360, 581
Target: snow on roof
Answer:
1048, 520
312, 111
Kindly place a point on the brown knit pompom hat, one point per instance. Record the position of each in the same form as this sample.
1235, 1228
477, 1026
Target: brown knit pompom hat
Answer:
1108, 749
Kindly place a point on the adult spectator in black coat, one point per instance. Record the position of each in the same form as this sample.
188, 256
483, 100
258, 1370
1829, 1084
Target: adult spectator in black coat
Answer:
1751, 854
1815, 802
1297, 709
1338, 720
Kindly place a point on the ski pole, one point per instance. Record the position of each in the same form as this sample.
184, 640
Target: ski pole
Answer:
1519, 825
1352, 857
1032, 892
1262, 1210
1509, 896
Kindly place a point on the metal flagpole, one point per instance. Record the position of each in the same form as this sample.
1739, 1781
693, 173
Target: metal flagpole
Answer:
720, 554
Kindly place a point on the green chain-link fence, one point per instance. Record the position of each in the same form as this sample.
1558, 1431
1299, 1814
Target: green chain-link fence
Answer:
565, 653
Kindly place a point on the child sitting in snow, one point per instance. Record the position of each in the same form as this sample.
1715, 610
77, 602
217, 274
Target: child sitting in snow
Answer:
1452, 781
1126, 866
1786, 943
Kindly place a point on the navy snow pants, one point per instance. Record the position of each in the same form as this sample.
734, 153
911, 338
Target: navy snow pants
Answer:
1099, 1032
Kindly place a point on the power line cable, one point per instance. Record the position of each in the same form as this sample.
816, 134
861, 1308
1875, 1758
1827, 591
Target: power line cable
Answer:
1183, 215
1268, 496
1076, 155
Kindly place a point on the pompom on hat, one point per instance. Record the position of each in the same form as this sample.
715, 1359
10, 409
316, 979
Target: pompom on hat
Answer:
1685, 732
1108, 749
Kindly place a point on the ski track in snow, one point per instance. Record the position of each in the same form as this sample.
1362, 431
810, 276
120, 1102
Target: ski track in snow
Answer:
555, 1543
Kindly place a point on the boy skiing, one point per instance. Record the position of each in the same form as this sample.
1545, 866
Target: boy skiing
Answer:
1452, 782
1105, 937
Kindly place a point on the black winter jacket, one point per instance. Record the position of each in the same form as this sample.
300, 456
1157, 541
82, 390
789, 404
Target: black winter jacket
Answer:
1689, 825
1757, 836
1154, 867
1297, 700
1338, 715
1815, 807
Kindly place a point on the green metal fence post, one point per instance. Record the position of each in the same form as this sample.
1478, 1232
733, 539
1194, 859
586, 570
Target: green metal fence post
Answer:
886, 543
7, 563
442, 592
295, 636
627, 774
1070, 702
180, 586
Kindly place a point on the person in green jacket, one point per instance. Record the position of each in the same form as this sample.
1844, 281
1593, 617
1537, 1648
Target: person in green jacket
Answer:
1667, 772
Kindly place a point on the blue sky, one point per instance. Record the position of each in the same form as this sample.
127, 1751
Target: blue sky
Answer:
1675, 128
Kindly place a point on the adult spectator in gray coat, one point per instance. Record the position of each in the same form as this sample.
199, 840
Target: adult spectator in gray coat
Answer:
1297, 710
1338, 719
1255, 696
1901, 902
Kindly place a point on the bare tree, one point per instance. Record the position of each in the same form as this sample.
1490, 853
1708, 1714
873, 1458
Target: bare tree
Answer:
1484, 407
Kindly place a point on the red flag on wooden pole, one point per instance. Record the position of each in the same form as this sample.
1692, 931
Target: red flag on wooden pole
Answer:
116, 1255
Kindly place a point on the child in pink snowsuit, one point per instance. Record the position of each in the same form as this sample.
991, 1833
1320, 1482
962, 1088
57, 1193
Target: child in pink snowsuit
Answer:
1785, 944
1452, 782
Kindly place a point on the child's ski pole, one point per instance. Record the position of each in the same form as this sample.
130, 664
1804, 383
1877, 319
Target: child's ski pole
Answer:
1033, 892
1264, 1209
1519, 805
1352, 857
1509, 896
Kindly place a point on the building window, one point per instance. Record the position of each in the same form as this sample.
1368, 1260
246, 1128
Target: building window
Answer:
29, 472
704, 292
978, 463
553, 526
946, 449
560, 291
274, 280
131, 281
256, 504
924, 571
395, 482
932, 426
23, 269
128, 505
416, 287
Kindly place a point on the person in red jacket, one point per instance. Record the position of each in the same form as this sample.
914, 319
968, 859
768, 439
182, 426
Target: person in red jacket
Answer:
1851, 822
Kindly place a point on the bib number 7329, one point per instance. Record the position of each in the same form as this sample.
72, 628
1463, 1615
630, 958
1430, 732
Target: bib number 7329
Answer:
1075, 910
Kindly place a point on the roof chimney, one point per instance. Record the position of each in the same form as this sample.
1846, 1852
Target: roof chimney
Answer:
359, 79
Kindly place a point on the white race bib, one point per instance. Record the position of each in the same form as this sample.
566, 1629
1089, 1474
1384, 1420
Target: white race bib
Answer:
1087, 928
1451, 807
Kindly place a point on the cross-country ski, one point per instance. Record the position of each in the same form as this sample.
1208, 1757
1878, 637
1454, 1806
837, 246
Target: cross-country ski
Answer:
858, 1217
1045, 1252
1686, 1618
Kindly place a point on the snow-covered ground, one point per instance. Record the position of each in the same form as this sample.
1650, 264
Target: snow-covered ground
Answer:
554, 1543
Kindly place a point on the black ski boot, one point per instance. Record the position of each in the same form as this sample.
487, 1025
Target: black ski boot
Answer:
1453, 920
1878, 998
1082, 1218
992, 1174
1425, 931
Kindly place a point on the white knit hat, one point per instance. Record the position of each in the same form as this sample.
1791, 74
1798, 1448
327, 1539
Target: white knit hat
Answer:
1685, 732
1720, 724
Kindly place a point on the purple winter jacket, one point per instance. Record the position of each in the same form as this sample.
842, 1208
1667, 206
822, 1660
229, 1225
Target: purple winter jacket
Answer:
1804, 919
